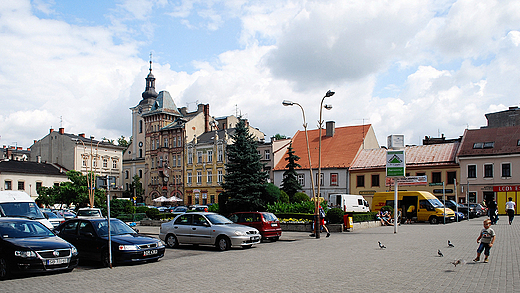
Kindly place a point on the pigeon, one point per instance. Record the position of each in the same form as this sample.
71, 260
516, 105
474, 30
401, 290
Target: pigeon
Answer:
381, 245
450, 244
440, 253
458, 262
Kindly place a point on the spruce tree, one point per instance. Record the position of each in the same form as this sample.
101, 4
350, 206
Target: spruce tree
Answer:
244, 181
290, 182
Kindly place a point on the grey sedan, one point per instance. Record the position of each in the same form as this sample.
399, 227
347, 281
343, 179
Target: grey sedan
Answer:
207, 229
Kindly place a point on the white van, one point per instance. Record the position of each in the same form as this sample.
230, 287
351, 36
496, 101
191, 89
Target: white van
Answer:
349, 202
18, 204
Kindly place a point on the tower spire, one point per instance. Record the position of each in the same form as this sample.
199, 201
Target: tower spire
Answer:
149, 92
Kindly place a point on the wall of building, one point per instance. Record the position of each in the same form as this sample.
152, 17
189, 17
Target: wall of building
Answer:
30, 181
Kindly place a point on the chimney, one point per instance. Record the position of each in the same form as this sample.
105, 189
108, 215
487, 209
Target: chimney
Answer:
82, 135
19, 148
51, 130
62, 130
39, 159
29, 149
206, 117
330, 128
35, 141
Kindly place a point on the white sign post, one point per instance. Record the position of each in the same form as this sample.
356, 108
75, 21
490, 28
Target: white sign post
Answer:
395, 167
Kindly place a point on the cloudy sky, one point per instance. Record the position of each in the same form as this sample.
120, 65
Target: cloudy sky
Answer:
418, 68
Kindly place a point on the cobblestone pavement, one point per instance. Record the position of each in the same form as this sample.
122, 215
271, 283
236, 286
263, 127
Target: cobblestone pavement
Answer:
349, 261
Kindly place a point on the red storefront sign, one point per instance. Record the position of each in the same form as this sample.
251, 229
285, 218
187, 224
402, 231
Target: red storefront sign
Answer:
506, 188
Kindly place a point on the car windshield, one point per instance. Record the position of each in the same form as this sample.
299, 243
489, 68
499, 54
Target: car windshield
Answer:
52, 215
270, 217
17, 229
436, 203
21, 210
116, 228
218, 219
89, 213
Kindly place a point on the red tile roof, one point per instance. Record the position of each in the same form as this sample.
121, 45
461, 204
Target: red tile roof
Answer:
505, 141
431, 155
337, 151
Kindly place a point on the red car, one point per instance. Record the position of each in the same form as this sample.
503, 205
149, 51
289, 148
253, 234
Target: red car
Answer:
266, 223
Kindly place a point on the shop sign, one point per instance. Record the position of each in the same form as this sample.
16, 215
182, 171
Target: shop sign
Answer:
506, 188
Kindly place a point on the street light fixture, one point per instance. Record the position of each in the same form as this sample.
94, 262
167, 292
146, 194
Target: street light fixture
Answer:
316, 196
320, 124
289, 103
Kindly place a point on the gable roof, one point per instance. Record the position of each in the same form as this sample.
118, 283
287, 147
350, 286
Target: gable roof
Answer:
490, 141
422, 155
337, 151
30, 168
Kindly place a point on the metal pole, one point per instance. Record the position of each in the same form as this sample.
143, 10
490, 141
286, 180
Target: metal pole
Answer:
444, 199
108, 215
396, 197
456, 199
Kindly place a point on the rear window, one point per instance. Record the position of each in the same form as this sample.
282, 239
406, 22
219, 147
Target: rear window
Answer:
270, 217
89, 213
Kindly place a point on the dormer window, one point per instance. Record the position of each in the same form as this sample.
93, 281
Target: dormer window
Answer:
478, 145
489, 145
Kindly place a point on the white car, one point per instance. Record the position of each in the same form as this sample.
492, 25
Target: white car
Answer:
207, 229
89, 213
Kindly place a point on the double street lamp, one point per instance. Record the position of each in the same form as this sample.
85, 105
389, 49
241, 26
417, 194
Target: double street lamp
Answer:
93, 167
317, 225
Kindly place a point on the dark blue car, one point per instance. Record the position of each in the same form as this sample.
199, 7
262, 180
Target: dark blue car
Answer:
27, 246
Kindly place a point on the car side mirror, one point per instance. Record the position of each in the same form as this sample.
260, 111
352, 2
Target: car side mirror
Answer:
206, 224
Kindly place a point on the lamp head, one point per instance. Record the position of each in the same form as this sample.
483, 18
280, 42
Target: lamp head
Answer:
328, 107
287, 103
329, 94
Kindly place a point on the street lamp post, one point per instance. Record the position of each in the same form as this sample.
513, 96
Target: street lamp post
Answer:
289, 103
91, 175
316, 196
320, 124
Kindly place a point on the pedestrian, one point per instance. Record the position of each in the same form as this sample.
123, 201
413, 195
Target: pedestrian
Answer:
410, 214
486, 238
492, 210
322, 215
510, 209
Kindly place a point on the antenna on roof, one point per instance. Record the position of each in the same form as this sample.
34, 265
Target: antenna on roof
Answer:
61, 121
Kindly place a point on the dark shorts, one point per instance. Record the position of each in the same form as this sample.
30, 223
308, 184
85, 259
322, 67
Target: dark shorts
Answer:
484, 247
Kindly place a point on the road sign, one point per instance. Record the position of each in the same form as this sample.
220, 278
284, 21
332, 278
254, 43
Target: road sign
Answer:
395, 163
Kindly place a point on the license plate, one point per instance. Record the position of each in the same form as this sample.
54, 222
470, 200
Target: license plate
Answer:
57, 261
274, 225
150, 252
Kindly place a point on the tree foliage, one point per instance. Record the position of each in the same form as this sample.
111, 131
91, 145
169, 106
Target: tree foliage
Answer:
245, 181
73, 192
290, 182
279, 136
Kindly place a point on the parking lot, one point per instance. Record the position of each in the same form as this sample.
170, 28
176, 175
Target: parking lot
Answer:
345, 261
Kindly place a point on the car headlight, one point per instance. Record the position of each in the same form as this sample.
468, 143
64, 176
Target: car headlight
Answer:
24, 253
128, 247
160, 244
74, 250
240, 233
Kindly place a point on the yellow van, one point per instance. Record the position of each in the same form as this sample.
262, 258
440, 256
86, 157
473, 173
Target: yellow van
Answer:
427, 206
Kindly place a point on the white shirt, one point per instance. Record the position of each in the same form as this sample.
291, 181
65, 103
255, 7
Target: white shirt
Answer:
510, 205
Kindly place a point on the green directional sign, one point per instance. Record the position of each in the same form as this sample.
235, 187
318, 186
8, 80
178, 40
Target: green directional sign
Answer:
395, 164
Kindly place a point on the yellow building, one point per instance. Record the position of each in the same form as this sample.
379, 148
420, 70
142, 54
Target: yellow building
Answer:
436, 162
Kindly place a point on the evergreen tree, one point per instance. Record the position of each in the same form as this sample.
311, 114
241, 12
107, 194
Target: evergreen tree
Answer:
290, 182
244, 181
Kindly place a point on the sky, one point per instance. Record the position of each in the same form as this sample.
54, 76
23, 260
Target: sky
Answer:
418, 68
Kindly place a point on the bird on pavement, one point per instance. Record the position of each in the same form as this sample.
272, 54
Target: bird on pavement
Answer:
458, 262
381, 245
450, 244
439, 252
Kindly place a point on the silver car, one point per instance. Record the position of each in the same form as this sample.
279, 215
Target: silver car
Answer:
207, 229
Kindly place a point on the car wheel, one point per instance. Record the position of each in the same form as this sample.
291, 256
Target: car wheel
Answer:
434, 220
4, 272
222, 243
171, 241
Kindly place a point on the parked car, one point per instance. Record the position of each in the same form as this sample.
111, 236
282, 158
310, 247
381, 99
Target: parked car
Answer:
207, 229
480, 209
18, 204
266, 223
65, 214
199, 208
461, 208
90, 236
162, 209
179, 209
27, 246
53, 218
460, 216
89, 213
